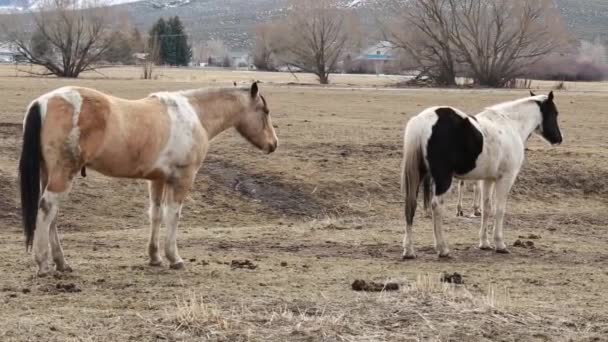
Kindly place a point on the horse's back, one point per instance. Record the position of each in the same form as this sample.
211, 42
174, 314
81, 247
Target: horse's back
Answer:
115, 136
450, 140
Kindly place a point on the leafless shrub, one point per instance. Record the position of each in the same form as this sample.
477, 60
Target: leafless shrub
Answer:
152, 52
588, 63
264, 47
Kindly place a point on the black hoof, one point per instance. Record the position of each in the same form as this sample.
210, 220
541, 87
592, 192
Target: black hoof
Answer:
502, 251
177, 266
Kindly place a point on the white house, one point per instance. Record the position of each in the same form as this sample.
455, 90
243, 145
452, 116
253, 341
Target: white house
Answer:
9, 53
379, 54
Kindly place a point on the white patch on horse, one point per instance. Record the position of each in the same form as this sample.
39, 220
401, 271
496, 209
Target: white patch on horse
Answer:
72, 96
183, 120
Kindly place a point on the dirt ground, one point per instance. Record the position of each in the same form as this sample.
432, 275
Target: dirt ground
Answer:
273, 243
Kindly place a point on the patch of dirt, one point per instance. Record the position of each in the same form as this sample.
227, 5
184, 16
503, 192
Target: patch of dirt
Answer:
247, 264
273, 192
9, 209
10, 139
545, 175
372, 150
60, 288
370, 286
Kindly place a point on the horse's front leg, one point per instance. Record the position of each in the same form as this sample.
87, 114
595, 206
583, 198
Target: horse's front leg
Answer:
501, 188
477, 199
156, 189
175, 194
486, 195
459, 211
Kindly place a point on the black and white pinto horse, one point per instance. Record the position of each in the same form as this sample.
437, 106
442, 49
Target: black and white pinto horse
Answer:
442, 143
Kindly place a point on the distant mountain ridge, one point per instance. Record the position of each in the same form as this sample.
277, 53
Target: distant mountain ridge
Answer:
233, 20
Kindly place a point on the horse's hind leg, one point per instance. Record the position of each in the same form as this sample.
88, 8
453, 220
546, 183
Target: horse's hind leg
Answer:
486, 197
156, 197
47, 211
408, 244
440, 245
459, 211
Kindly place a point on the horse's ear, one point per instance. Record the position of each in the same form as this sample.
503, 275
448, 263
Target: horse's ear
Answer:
254, 90
532, 93
551, 96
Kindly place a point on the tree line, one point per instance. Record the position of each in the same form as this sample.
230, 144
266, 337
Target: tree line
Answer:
492, 42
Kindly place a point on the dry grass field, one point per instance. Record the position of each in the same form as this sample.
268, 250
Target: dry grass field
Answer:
310, 219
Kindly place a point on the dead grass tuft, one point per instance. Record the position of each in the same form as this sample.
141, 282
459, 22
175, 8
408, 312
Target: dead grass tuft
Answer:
425, 308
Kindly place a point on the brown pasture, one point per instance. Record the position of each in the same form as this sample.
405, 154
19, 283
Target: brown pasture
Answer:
273, 243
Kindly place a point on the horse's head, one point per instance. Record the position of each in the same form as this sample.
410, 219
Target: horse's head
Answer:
256, 125
548, 128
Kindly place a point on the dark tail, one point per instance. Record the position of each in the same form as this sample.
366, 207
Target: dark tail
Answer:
29, 172
412, 174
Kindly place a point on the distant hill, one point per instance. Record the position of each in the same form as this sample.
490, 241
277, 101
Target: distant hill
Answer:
233, 20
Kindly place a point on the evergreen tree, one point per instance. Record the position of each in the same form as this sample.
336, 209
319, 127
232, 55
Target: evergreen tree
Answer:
172, 40
159, 32
183, 51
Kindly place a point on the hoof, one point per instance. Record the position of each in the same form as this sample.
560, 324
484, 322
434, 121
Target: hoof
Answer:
445, 256
177, 266
502, 251
155, 263
408, 257
43, 274
64, 269
459, 213
477, 214
486, 248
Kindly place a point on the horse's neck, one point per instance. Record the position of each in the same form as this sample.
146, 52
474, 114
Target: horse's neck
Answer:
524, 117
217, 113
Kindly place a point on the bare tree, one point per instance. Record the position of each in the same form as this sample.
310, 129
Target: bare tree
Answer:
264, 46
422, 30
493, 40
498, 39
152, 58
313, 37
76, 31
218, 53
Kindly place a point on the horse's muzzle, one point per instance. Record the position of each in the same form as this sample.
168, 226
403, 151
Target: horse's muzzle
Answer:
272, 147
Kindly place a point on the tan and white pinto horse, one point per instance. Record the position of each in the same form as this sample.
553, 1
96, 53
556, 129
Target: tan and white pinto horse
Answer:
162, 138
